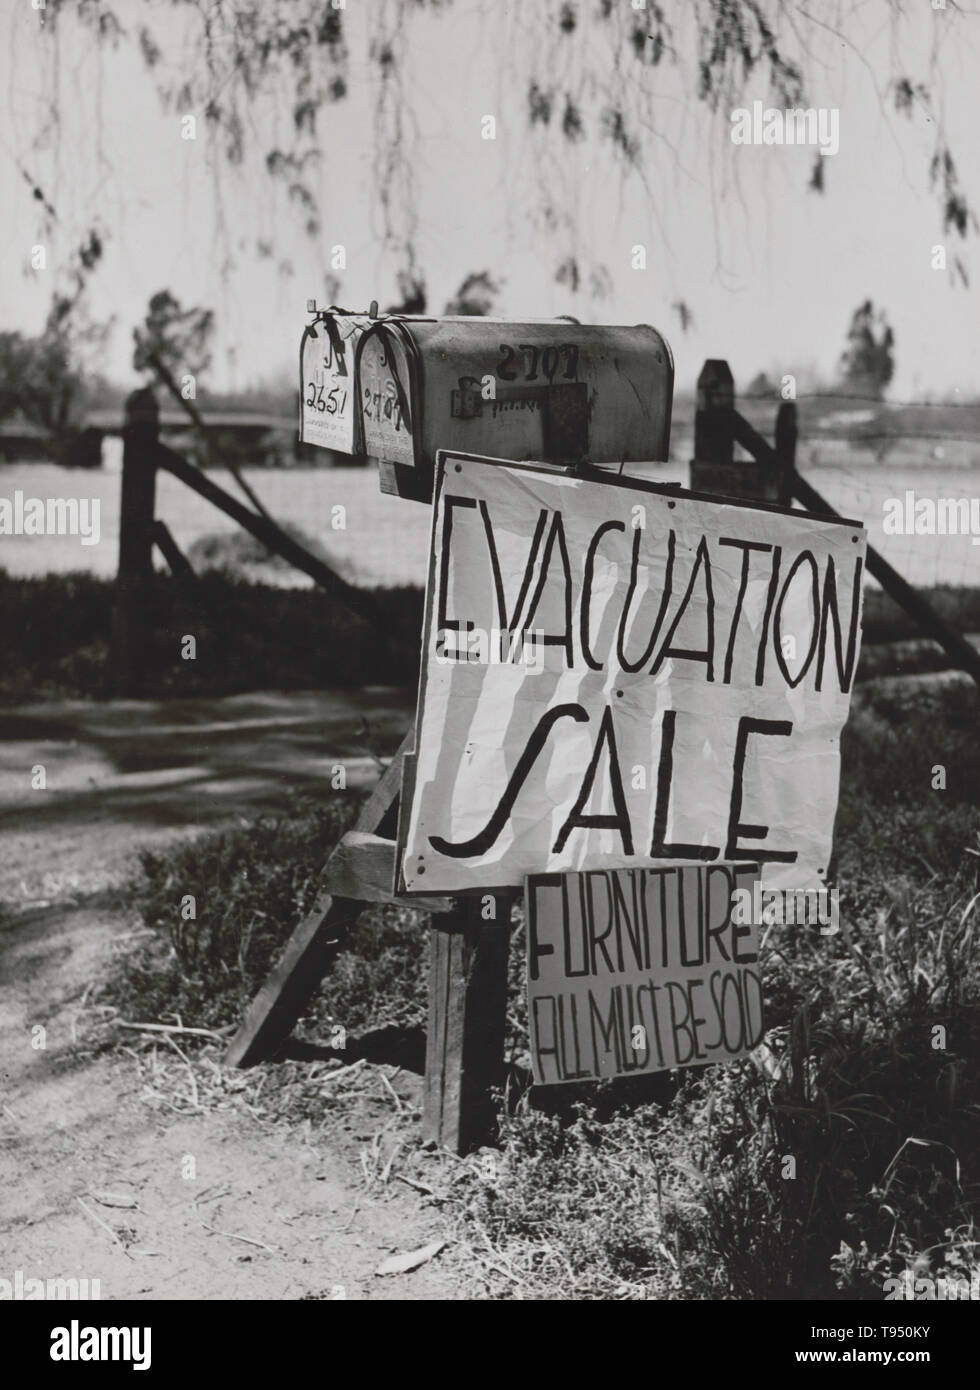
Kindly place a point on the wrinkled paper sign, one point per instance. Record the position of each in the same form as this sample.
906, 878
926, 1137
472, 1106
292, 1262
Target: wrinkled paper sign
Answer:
639, 970
614, 677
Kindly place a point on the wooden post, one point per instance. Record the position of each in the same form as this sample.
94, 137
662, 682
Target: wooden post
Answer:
786, 432
464, 1051
713, 468
713, 442
131, 628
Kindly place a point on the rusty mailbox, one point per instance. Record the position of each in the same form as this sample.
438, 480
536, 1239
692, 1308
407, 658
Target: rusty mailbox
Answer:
395, 389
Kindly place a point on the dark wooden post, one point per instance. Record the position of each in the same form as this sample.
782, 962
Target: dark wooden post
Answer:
130, 632
786, 432
464, 1052
714, 469
713, 443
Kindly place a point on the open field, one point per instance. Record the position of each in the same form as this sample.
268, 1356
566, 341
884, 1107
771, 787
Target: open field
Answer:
384, 541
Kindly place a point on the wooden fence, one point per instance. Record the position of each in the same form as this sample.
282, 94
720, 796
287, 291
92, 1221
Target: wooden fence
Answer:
140, 530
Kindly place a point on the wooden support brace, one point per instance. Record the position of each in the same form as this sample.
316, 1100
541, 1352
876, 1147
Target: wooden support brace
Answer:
314, 944
963, 656
180, 566
360, 601
167, 377
933, 624
363, 866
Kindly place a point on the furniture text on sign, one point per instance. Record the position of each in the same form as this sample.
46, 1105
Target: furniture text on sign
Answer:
615, 675
639, 970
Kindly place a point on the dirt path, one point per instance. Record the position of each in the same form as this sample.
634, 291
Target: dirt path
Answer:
123, 773
176, 1189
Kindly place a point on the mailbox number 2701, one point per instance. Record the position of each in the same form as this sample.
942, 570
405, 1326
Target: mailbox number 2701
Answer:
538, 361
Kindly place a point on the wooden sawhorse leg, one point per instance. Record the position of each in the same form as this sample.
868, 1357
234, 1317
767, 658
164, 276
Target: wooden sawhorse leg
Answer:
315, 942
467, 980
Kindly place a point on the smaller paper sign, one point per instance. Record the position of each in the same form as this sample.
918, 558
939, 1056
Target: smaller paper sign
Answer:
631, 971
328, 384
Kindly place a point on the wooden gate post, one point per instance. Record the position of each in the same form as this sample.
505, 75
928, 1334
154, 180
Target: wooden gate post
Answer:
464, 1051
714, 468
713, 442
786, 431
131, 628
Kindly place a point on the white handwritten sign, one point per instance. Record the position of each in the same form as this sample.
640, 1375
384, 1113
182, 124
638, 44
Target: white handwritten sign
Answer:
328, 383
638, 970
614, 677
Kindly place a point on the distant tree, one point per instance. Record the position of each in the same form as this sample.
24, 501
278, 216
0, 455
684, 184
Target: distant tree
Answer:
761, 386
102, 393
475, 296
180, 338
473, 299
413, 297
39, 379
683, 311
43, 378
867, 362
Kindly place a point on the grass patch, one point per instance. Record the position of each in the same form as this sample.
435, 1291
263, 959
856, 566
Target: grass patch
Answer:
885, 621
843, 1153
247, 888
56, 631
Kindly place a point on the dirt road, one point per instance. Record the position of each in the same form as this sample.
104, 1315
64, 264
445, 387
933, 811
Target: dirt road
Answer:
99, 1180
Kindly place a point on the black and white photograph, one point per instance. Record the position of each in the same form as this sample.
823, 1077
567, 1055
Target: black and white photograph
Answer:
489, 663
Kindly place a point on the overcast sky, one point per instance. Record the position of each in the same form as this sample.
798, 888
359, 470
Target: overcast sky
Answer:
770, 271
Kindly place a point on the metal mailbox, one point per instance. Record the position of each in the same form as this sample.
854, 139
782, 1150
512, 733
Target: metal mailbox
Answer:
397, 389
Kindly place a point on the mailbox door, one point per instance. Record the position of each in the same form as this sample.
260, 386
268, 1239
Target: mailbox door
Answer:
550, 390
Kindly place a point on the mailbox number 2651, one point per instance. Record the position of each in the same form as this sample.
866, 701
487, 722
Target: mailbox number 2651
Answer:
538, 361
334, 401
